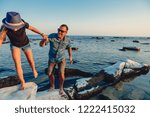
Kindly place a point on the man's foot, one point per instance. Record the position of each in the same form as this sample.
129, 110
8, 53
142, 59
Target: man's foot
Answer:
35, 74
61, 92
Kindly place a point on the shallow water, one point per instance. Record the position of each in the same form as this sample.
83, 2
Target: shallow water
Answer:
92, 56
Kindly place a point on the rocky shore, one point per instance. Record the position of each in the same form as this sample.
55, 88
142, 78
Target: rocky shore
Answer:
84, 88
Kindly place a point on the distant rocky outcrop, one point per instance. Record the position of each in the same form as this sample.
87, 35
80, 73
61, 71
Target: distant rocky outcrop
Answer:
136, 41
130, 48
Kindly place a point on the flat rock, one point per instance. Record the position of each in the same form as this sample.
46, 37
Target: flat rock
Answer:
13, 92
51, 95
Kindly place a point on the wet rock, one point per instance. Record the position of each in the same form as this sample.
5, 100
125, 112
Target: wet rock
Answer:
72, 72
85, 88
145, 43
112, 40
130, 48
51, 95
9, 81
13, 92
136, 41
70, 92
30, 93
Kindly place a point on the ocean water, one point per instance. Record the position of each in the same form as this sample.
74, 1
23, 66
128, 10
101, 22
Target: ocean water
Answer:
92, 56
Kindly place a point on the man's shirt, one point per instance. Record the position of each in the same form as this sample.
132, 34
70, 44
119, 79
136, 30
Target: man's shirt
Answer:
57, 47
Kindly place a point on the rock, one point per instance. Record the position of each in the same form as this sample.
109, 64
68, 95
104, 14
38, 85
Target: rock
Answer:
70, 92
130, 48
9, 81
74, 48
87, 87
30, 93
72, 72
136, 41
112, 40
145, 43
51, 95
13, 92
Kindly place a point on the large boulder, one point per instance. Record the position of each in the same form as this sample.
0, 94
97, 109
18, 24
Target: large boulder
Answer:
30, 93
87, 87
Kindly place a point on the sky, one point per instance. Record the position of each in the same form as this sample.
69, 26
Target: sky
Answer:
84, 17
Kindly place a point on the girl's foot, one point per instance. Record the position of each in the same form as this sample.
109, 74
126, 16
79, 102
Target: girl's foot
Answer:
51, 88
22, 87
35, 74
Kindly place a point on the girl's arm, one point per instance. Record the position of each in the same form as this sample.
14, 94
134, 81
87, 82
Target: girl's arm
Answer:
2, 35
38, 32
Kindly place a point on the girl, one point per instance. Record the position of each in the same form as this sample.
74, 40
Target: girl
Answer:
14, 27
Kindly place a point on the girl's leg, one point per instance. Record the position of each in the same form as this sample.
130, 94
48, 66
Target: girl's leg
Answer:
30, 59
16, 55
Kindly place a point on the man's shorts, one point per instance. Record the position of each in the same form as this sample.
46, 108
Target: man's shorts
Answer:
24, 48
61, 67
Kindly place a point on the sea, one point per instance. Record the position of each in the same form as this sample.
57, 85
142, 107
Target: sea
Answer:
94, 53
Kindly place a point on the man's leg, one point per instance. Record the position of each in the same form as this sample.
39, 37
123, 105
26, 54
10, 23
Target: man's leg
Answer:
30, 59
61, 67
16, 55
51, 67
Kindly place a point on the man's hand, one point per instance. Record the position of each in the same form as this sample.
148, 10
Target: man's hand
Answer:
70, 58
43, 42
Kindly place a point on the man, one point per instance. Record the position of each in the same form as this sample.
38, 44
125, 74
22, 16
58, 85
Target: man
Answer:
58, 43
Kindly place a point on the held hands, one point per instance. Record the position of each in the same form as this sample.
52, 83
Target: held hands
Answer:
44, 41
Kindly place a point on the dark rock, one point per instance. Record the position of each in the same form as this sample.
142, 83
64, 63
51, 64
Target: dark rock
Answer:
112, 40
130, 48
9, 81
72, 72
145, 43
135, 41
74, 48
88, 87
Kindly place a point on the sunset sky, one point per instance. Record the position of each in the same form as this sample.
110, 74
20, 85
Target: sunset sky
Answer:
84, 17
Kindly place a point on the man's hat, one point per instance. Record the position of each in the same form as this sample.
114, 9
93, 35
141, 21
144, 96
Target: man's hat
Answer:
13, 20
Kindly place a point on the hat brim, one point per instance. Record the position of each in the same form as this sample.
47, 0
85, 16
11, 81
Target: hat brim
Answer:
10, 26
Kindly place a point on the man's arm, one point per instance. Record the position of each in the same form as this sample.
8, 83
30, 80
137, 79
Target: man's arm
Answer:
2, 35
70, 54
